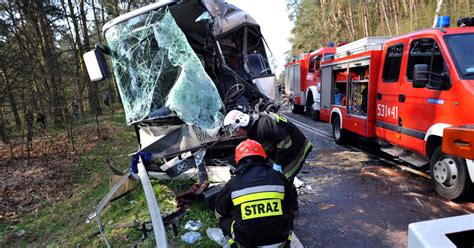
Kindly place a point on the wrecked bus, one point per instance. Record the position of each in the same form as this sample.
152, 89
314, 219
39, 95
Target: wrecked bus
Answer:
180, 66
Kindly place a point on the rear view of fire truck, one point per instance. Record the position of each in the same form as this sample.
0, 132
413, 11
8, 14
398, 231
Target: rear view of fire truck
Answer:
303, 82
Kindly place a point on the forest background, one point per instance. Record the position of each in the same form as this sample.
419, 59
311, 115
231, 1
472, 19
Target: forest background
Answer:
319, 22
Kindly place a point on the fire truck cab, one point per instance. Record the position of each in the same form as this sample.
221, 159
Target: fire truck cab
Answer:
302, 82
403, 92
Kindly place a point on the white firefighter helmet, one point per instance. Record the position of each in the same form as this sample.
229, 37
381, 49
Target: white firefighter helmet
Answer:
237, 119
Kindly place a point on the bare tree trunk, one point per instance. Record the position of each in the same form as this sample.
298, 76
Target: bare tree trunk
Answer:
381, 21
386, 17
4, 131
12, 100
92, 88
411, 15
346, 21
351, 21
50, 60
396, 8
415, 12
102, 13
366, 19
404, 2
79, 83
96, 21
85, 33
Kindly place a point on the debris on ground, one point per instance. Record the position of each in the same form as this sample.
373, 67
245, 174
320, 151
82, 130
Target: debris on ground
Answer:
20, 233
297, 182
193, 225
216, 234
190, 237
325, 206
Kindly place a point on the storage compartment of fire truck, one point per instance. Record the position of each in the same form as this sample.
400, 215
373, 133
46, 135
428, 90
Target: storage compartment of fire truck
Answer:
358, 88
350, 87
339, 92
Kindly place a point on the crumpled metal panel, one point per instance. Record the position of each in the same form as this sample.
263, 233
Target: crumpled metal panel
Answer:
156, 69
226, 16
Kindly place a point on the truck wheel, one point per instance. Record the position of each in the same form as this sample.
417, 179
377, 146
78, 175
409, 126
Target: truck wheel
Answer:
296, 109
338, 133
449, 175
314, 114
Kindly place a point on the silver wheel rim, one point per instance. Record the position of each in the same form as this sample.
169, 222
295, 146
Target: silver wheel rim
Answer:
445, 172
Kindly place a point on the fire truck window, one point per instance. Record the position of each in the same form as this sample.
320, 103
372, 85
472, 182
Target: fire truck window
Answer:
318, 62
393, 61
311, 64
461, 47
426, 51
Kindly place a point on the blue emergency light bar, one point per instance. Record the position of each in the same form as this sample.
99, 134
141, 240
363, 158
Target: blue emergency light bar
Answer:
443, 21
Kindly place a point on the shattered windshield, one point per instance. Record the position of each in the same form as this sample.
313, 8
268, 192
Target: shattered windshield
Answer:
157, 71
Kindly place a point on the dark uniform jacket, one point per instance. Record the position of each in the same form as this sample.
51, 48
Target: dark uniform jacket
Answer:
283, 142
259, 200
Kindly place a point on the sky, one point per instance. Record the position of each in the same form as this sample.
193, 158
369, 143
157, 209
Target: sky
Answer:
272, 17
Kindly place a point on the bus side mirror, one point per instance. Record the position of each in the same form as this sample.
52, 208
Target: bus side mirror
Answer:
96, 65
420, 76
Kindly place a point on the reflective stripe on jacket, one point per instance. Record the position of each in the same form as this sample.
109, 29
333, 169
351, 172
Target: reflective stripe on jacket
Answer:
259, 200
283, 142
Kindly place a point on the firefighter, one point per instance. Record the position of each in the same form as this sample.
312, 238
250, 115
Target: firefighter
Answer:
283, 141
256, 206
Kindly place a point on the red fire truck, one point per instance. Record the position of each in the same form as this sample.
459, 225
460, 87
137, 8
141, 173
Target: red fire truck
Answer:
403, 92
302, 79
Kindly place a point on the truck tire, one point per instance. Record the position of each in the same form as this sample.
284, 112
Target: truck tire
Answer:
449, 175
338, 133
313, 114
296, 109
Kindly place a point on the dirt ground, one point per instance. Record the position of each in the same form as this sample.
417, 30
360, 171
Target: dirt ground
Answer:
48, 175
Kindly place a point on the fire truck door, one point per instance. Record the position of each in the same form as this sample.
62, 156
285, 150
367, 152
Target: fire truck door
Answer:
297, 83
423, 106
389, 96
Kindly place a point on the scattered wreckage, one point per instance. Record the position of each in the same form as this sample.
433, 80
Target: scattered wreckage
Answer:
179, 67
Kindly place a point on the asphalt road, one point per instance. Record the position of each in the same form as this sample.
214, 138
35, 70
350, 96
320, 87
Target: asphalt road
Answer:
352, 198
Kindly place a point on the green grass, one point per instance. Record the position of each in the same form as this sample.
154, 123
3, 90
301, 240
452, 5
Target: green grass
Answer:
63, 224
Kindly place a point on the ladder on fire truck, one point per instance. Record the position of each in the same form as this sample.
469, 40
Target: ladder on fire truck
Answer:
360, 46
